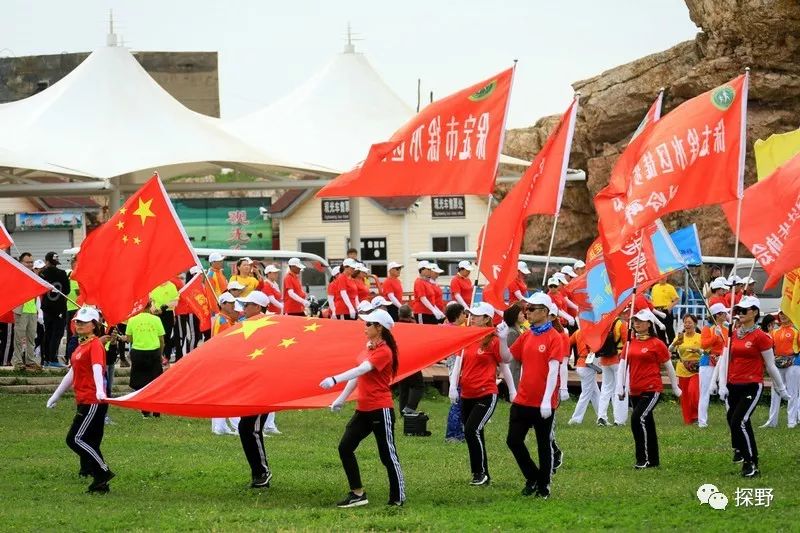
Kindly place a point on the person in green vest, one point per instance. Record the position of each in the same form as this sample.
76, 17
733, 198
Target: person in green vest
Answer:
165, 298
25, 321
145, 332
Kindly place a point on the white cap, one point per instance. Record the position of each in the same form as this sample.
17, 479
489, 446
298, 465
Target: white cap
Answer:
361, 267
255, 297
247, 260
734, 280
747, 280
235, 285
87, 314
394, 264
552, 281
423, 264
195, 270
466, 265
561, 278
215, 256
522, 267
717, 308
295, 262
226, 298
380, 301
646, 315
335, 271
539, 298
749, 301
271, 268
566, 269
380, 316
365, 306
552, 309
436, 268
719, 283
349, 262
481, 309
38, 264
579, 264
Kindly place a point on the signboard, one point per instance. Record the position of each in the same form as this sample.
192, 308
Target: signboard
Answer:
448, 207
233, 223
48, 220
335, 210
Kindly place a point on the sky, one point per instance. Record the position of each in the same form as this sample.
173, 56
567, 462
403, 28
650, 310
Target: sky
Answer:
267, 48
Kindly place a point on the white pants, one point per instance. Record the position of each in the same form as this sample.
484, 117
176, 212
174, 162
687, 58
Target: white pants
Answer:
775, 402
270, 423
620, 407
590, 393
706, 381
793, 388
220, 425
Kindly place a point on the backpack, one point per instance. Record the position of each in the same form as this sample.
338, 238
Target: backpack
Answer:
610, 347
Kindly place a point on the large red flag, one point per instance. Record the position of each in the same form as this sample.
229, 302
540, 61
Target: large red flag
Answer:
140, 247
691, 157
19, 284
5, 239
621, 265
770, 210
450, 147
277, 361
196, 298
539, 191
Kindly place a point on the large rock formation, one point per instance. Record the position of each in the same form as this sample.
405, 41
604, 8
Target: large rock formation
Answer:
761, 34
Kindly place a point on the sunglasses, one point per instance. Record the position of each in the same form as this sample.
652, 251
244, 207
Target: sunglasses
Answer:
532, 308
370, 324
742, 310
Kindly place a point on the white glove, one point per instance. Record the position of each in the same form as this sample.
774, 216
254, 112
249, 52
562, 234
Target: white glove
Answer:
783, 394
353, 315
712, 389
439, 315
723, 393
563, 395
662, 327
677, 391
453, 394
546, 411
620, 393
51, 402
511, 396
101, 395
336, 406
502, 330
327, 383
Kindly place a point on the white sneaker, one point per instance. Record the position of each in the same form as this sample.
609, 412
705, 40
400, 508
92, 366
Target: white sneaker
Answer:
273, 431
573, 422
768, 425
218, 432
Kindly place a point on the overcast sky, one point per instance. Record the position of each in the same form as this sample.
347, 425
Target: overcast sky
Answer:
267, 48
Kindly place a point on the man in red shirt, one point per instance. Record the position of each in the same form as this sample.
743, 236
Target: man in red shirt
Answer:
392, 289
424, 305
294, 297
461, 286
518, 290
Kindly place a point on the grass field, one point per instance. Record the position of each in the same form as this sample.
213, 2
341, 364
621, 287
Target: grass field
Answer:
173, 474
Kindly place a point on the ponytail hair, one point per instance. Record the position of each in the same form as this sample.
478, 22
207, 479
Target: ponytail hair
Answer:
388, 338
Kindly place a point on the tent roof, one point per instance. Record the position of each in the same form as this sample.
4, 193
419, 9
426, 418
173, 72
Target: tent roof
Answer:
332, 119
109, 118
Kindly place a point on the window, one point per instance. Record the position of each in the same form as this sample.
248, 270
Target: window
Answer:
449, 244
373, 253
311, 276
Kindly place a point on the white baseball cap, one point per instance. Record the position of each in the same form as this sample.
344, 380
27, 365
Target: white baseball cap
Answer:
380, 316
566, 269
579, 264
215, 256
255, 297
235, 285
365, 306
719, 283
195, 270
539, 298
226, 298
466, 265
86, 314
271, 268
361, 267
247, 260
717, 308
747, 280
335, 271
423, 264
522, 267
552, 282
552, 309
394, 264
646, 315
561, 278
295, 262
436, 268
734, 280
380, 301
481, 309
38, 264
349, 262
749, 301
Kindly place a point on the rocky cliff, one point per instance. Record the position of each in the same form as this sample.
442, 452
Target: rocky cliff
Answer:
761, 34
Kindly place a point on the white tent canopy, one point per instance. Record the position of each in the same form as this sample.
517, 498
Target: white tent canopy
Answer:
332, 119
109, 118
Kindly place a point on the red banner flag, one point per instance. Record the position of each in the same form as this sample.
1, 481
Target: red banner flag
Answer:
290, 356
140, 247
691, 157
621, 265
197, 298
450, 147
19, 283
539, 191
5, 238
770, 210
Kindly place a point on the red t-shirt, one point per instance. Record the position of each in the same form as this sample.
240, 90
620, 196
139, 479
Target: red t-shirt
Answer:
719, 300
438, 296
479, 369
363, 290
516, 285
644, 361
463, 286
347, 284
727, 298
535, 353
374, 390
292, 281
272, 290
423, 287
85, 355
641, 302
746, 363
392, 286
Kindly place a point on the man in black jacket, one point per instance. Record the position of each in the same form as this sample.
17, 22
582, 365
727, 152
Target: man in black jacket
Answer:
54, 309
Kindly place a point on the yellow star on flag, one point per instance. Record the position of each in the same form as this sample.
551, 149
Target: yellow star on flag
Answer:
285, 343
120, 224
123, 210
143, 211
137, 240
251, 326
258, 352
125, 238
313, 327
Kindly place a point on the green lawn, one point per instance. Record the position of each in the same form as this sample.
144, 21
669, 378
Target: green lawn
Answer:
173, 474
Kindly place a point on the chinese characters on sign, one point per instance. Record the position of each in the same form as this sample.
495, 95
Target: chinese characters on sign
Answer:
335, 210
448, 207
32, 221
464, 139
238, 236
768, 251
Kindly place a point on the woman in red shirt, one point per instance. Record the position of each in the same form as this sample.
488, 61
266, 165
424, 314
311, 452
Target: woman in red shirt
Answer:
475, 371
272, 289
644, 355
374, 409
86, 376
741, 378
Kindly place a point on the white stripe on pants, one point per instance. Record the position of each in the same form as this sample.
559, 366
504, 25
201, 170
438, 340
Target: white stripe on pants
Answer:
590, 393
706, 381
620, 407
793, 389
775, 402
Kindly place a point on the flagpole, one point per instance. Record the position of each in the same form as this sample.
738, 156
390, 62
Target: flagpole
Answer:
550, 249
489, 200
639, 251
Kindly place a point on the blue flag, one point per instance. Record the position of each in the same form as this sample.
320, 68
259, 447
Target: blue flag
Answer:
688, 243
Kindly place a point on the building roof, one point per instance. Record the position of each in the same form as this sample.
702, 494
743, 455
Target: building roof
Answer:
292, 198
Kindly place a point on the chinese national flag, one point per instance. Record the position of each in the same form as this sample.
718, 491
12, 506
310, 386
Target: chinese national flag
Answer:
196, 298
691, 157
450, 147
770, 211
5, 239
289, 356
139, 248
19, 284
539, 191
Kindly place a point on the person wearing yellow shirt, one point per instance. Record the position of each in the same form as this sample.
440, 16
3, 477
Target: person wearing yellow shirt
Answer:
146, 334
664, 298
246, 275
688, 347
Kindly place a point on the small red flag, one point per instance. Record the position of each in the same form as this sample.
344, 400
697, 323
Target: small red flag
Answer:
140, 247
5, 238
19, 283
290, 355
539, 191
450, 147
197, 298
693, 156
770, 211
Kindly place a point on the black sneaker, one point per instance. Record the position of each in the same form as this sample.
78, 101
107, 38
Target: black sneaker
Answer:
479, 480
529, 489
543, 493
642, 466
353, 501
102, 488
602, 422
261, 482
100, 483
737, 457
558, 460
750, 469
